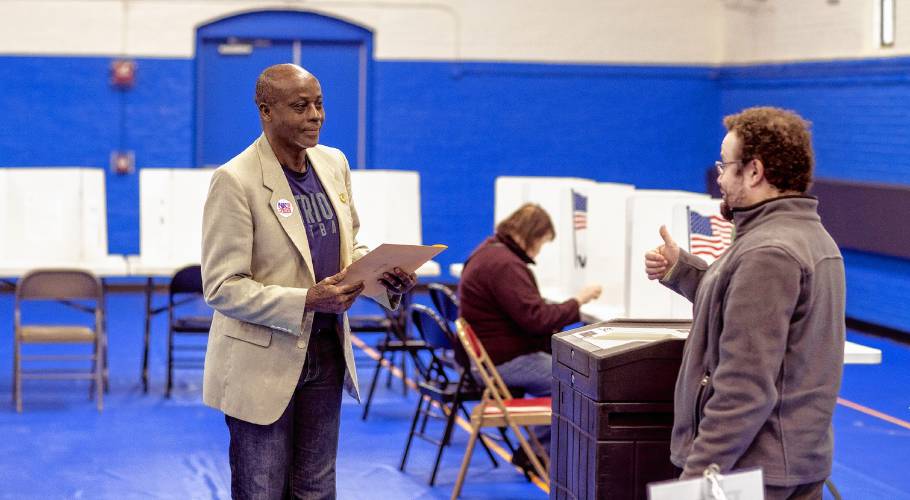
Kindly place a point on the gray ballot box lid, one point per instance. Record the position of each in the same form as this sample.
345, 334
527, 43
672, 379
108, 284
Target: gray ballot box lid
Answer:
621, 360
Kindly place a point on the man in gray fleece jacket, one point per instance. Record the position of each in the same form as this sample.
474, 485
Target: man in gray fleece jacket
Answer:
762, 365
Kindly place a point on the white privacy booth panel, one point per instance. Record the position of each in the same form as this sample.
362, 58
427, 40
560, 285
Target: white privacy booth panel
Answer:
647, 211
607, 248
53, 217
388, 205
171, 202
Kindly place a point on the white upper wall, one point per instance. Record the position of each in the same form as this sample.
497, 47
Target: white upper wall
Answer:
570, 31
758, 31
573, 31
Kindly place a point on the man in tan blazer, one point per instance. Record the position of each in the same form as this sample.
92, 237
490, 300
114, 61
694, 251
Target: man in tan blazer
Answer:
279, 229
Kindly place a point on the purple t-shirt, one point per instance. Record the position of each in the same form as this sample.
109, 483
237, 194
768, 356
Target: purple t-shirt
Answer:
321, 227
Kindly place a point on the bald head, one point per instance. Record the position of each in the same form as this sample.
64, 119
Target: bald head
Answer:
276, 79
289, 99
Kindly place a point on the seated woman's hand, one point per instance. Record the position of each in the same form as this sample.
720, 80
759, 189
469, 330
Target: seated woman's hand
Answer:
588, 293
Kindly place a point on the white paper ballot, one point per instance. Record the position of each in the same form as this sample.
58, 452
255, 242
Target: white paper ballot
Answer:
605, 337
738, 485
385, 258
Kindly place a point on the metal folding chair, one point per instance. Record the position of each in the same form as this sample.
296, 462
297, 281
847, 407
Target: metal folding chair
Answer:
445, 301
437, 384
73, 287
185, 288
498, 408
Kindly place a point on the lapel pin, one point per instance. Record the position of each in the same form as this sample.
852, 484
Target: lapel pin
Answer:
284, 208
343, 197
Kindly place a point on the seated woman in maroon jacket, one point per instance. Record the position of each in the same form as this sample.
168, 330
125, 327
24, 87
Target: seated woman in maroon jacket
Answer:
501, 301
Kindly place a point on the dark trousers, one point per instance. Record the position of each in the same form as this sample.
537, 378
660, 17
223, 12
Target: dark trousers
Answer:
294, 457
809, 491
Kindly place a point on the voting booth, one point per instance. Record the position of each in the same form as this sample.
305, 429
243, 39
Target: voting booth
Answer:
388, 205
613, 385
54, 217
648, 209
590, 244
171, 201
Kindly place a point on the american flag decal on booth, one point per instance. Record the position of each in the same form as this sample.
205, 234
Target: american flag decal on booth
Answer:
579, 227
709, 236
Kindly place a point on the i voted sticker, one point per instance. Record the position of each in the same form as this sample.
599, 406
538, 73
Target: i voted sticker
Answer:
284, 208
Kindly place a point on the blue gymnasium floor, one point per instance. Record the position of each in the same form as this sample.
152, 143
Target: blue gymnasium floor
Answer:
145, 446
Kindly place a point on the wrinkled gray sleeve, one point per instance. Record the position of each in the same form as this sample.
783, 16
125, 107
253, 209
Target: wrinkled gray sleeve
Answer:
686, 275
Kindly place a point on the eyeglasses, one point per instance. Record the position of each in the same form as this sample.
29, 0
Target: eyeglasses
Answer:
722, 165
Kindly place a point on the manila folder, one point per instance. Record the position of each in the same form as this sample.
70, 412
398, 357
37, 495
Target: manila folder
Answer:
385, 258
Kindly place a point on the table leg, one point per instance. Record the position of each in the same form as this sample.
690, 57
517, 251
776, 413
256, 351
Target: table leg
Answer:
105, 372
149, 286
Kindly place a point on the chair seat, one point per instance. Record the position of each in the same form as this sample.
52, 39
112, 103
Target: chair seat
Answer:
521, 405
531, 411
52, 333
403, 345
193, 324
446, 393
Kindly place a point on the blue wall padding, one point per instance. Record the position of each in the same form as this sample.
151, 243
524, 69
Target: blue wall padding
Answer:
860, 112
878, 289
462, 125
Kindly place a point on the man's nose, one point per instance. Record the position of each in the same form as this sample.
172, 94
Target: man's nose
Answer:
313, 113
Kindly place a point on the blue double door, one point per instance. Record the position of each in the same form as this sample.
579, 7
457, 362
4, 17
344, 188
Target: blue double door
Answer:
227, 120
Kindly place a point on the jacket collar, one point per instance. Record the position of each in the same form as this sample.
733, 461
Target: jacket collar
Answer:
274, 180
513, 246
794, 206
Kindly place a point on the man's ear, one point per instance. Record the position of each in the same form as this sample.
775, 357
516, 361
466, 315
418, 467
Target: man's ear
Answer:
755, 172
265, 112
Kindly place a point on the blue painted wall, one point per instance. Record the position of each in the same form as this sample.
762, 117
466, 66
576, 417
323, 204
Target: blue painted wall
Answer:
62, 111
860, 112
463, 124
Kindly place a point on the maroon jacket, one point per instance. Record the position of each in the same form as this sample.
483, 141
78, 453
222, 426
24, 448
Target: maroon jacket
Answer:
501, 302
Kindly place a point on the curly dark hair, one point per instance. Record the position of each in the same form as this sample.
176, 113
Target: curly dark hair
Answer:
780, 138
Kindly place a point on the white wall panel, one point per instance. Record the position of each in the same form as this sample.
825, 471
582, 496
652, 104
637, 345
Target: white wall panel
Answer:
595, 31
758, 31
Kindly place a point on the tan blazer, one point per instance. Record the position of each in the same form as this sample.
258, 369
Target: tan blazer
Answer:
256, 270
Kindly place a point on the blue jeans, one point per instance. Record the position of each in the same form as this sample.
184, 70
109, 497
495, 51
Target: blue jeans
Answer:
294, 457
534, 373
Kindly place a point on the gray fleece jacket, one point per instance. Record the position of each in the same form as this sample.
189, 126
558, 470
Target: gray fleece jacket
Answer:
762, 365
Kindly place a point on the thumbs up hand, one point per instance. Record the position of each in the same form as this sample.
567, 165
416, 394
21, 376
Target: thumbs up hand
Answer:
663, 258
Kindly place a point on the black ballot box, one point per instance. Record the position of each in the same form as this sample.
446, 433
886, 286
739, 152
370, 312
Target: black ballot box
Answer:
613, 408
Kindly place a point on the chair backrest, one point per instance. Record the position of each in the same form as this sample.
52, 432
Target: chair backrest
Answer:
187, 280
59, 284
432, 330
495, 387
445, 301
